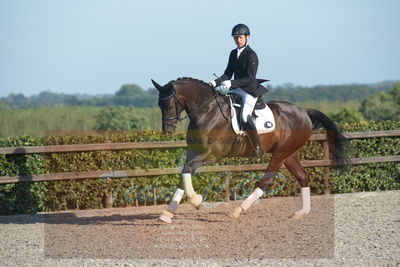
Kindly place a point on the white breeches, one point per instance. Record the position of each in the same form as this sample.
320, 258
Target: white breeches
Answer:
248, 103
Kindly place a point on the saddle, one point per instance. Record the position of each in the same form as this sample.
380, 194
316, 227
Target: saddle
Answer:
262, 115
237, 101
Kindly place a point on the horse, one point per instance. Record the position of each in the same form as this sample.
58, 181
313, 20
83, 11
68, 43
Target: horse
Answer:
210, 137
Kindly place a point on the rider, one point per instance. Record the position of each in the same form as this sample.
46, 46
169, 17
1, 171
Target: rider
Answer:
243, 63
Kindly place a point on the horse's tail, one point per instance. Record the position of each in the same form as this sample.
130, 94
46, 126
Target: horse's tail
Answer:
338, 143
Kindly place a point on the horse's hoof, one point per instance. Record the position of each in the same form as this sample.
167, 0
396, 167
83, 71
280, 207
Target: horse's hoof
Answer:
167, 213
165, 219
236, 213
298, 215
196, 200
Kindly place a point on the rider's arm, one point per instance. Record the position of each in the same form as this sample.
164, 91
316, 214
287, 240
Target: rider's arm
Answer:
229, 69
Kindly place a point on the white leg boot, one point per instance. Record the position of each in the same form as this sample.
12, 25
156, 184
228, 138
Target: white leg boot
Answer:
257, 193
194, 198
166, 215
305, 204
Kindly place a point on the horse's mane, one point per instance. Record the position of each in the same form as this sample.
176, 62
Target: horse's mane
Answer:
203, 83
189, 79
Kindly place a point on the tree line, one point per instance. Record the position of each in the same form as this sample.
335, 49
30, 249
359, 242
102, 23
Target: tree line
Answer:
123, 110
129, 95
132, 95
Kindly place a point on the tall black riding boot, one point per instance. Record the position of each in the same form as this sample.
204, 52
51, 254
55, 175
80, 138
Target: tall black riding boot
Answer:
251, 130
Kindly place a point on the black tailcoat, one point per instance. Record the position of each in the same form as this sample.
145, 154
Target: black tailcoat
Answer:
244, 69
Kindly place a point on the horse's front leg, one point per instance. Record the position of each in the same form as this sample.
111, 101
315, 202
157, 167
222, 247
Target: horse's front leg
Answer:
194, 161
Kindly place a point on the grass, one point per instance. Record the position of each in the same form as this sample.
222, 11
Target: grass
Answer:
328, 107
36, 122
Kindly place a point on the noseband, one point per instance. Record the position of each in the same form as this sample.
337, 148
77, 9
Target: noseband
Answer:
177, 116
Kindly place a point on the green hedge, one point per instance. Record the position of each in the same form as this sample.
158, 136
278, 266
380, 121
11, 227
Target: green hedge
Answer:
374, 176
31, 197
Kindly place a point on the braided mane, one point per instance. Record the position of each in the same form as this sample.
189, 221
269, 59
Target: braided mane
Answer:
203, 83
189, 79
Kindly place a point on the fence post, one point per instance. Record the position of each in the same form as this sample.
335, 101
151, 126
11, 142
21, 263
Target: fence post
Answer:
327, 170
226, 192
155, 196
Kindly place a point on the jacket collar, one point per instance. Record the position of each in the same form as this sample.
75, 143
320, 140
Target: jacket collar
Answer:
245, 48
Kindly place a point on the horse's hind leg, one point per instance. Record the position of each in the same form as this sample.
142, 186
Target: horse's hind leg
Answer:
270, 174
294, 166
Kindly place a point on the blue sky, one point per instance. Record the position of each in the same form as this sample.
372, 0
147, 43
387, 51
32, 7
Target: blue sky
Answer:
96, 46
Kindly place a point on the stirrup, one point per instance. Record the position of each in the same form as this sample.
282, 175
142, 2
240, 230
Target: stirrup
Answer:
259, 154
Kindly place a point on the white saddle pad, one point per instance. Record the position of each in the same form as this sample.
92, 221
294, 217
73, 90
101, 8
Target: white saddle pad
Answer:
265, 121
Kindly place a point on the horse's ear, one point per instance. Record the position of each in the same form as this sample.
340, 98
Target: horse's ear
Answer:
158, 87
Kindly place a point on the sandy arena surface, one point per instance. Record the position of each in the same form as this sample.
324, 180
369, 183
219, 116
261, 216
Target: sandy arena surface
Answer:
360, 229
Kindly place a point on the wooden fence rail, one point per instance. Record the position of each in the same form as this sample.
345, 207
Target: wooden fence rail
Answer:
326, 162
157, 144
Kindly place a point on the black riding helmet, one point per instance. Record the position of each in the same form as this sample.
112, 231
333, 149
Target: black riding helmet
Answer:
240, 29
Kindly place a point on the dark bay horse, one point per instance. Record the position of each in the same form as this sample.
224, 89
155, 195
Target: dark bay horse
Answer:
210, 136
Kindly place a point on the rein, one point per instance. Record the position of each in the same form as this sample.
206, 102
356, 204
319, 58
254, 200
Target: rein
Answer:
177, 116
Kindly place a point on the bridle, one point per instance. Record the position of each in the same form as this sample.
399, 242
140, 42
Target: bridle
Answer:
177, 116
